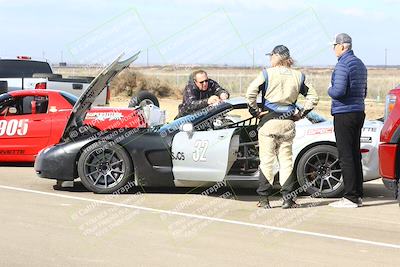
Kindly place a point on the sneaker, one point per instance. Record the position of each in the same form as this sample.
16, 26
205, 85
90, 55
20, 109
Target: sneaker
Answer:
343, 203
289, 204
264, 203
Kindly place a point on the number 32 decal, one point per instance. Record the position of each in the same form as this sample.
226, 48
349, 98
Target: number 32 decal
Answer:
13, 127
199, 153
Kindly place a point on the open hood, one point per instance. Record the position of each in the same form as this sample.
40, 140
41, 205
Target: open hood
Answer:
87, 98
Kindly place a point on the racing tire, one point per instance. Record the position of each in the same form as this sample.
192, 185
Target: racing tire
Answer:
319, 173
104, 168
142, 99
47, 75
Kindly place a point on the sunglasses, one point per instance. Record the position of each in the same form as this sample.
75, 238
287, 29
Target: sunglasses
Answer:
205, 81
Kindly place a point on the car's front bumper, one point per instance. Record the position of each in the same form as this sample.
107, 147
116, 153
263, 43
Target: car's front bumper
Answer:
388, 160
57, 162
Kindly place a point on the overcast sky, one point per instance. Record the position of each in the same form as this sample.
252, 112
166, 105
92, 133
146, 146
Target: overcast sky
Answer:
237, 32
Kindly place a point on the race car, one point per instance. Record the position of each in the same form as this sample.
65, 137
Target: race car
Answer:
31, 120
213, 145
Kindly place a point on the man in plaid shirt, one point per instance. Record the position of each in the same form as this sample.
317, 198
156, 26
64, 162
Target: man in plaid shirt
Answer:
200, 93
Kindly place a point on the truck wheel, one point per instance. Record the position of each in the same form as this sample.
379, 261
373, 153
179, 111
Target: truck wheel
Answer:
142, 99
3, 87
104, 168
47, 75
319, 172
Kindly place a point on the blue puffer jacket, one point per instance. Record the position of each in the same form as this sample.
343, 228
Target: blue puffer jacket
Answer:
349, 84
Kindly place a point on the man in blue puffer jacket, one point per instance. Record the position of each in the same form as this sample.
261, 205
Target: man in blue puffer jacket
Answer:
348, 91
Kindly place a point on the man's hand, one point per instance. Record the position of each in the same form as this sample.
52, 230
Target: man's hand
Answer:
254, 112
297, 116
262, 113
223, 96
213, 100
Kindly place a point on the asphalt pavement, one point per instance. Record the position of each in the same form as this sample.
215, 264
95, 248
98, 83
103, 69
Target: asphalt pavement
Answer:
179, 227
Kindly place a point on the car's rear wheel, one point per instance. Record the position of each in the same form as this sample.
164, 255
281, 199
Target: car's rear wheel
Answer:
104, 168
318, 171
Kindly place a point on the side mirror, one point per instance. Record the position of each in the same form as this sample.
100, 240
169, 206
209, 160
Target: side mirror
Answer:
187, 128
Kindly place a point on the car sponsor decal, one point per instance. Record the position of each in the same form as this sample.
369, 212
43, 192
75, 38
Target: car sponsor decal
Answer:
178, 156
366, 139
319, 131
102, 116
14, 127
12, 152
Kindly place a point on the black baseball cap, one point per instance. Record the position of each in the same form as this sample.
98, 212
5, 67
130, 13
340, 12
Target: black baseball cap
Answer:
281, 50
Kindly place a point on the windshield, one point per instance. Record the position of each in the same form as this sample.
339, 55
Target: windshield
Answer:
10, 68
4, 101
314, 117
69, 97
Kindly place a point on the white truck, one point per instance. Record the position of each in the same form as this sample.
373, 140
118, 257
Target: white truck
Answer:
24, 73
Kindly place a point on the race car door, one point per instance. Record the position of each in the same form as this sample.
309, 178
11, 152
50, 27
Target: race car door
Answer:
204, 155
24, 127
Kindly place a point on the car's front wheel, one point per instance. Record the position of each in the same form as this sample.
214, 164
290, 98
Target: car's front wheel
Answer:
104, 167
319, 172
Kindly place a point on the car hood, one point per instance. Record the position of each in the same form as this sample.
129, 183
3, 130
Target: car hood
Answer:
87, 98
240, 102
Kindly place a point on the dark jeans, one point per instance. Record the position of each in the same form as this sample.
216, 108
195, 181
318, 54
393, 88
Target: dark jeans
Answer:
265, 189
348, 128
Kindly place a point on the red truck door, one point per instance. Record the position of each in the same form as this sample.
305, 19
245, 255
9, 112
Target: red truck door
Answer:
25, 128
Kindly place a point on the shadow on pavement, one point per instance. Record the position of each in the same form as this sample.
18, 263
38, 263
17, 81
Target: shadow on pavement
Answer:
16, 164
372, 193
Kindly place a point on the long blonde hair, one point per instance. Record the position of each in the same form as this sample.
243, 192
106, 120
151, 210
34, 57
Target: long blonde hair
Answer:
285, 62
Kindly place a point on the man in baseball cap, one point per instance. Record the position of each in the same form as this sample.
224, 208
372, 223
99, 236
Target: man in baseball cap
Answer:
342, 38
348, 92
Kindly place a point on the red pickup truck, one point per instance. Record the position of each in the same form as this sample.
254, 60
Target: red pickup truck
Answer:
389, 148
31, 120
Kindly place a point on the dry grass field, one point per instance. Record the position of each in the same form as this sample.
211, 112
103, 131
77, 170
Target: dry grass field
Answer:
168, 82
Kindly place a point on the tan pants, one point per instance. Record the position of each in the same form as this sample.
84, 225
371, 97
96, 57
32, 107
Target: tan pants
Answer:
275, 140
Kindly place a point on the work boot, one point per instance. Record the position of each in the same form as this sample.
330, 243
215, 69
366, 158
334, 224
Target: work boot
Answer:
289, 204
264, 203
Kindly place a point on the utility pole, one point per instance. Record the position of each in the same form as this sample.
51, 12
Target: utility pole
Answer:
253, 59
385, 57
